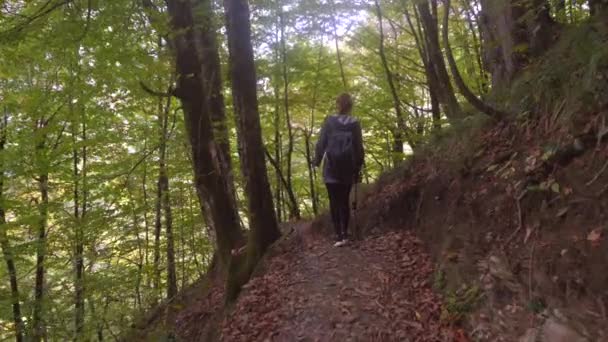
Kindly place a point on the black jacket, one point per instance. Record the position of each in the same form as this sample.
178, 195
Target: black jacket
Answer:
331, 124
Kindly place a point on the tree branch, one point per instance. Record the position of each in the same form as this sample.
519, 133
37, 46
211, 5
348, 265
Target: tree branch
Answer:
169, 93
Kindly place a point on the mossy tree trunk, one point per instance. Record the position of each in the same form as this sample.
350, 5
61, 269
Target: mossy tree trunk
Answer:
199, 90
263, 225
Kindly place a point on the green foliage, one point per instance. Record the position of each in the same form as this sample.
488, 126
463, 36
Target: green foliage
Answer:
457, 304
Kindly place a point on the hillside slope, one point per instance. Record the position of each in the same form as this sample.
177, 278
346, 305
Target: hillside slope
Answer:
513, 224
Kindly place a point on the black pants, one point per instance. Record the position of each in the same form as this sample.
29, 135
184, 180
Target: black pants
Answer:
340, 210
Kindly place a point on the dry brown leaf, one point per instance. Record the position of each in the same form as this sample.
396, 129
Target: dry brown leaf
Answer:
595, 236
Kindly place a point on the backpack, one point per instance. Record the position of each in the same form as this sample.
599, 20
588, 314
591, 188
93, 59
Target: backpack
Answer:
340, 153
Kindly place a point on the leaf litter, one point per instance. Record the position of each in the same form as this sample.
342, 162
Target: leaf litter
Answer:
373, 290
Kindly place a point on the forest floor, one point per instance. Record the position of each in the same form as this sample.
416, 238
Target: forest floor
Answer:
372, 290
502, 230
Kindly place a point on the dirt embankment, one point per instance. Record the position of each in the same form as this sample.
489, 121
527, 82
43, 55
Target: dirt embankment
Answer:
516, 222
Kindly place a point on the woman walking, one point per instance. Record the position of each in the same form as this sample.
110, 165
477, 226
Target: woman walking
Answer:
340, 146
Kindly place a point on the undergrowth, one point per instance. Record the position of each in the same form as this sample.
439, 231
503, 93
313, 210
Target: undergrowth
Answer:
458, 304
571, 78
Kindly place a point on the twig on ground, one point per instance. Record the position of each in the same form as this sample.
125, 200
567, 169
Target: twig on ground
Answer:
418, 208
531, 264
520, 220
600, 303
597, 175
322, 253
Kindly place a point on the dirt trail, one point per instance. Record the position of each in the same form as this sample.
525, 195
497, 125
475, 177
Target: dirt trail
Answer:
374, 290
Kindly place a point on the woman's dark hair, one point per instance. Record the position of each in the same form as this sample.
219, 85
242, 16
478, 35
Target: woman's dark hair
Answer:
344, 102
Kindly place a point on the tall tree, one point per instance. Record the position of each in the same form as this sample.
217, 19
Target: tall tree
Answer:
294, 208
42, 165
431, 77
79, 137
263, 226
197, 69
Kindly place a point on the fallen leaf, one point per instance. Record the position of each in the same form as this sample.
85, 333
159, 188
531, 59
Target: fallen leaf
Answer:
595, 236
528, 233
563, 212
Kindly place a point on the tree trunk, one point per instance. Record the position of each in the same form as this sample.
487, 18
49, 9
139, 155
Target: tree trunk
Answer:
39, 289
163, 180
144, 188
337, 44
79, 216
464, 89
429, 72
398, 132
294, 208
7, 251
444, 91
263, 225
513, 32
193, 33
472, 23
157, 233
311, 171
308, 136
278, 141
42, 166
140, 263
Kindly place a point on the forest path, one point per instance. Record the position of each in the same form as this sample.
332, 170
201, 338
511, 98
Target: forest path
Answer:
377, 289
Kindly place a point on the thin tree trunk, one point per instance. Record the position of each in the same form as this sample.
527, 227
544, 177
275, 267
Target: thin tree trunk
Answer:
158, 219
39, 289
278, 142
431, 77
140, 252
308, 135
163, 180
99, 322
444, 92
311, 172
38, 323
193, 32
398, 152
337, 43
263, 226
7, 251
292, 199
473, 24
144, 187
464, 89
79, 216
294, 208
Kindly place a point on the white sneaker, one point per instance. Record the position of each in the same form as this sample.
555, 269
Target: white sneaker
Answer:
340, 243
